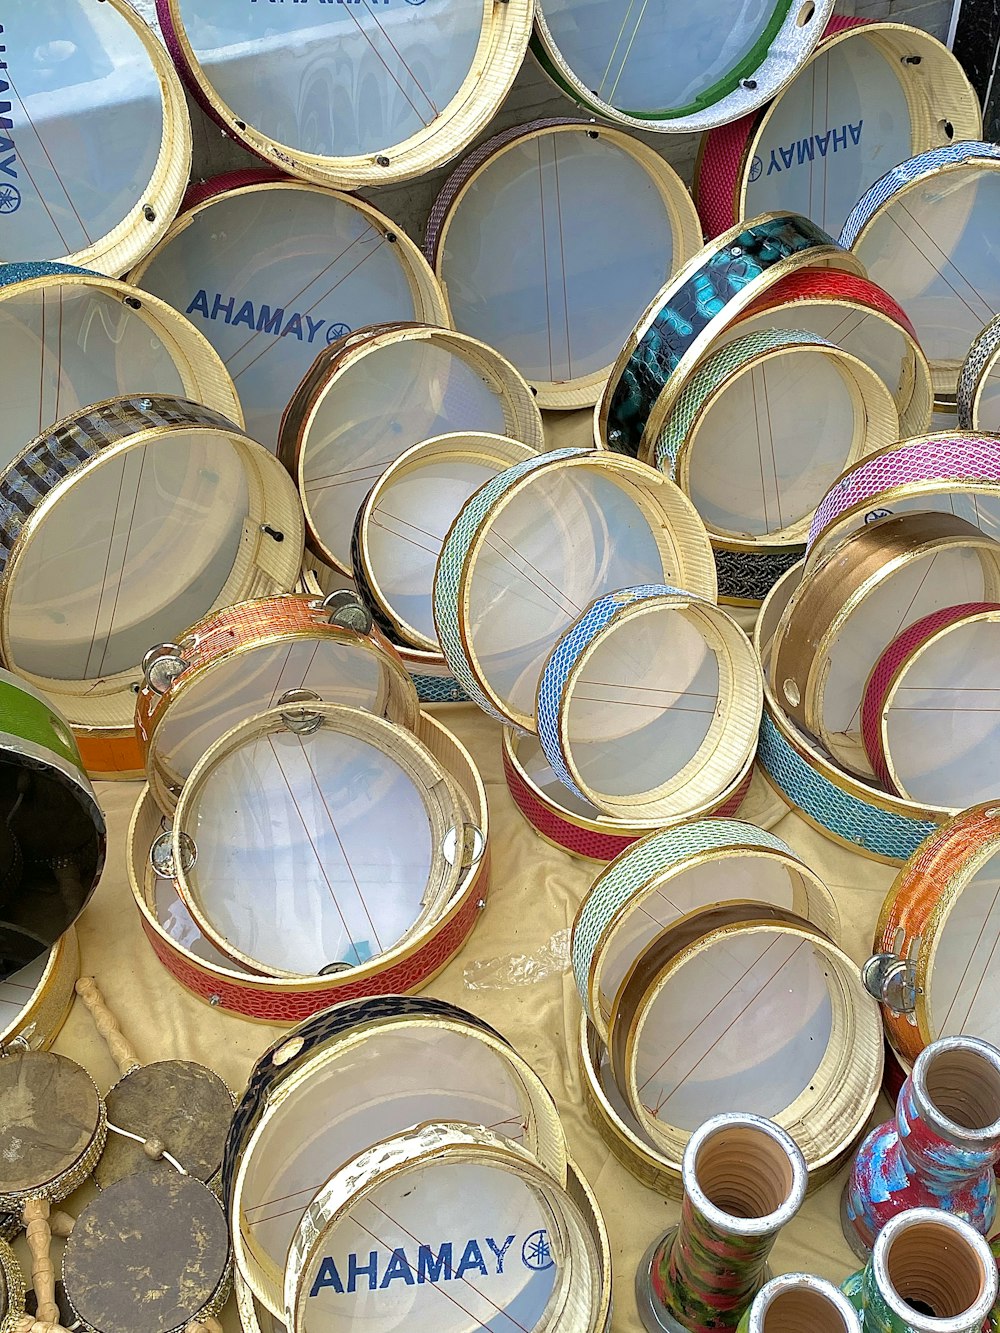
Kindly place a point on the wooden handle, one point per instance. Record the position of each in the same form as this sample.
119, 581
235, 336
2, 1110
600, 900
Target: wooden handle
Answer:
28, 1325
61, 1224
43, 1273
107, 1025
207, 1324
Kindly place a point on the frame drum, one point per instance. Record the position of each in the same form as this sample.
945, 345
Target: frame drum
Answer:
35, 1002
870, 93
372, 396
273, 272
675, 68
535, 546
243, 659
437, 1195
100, 130
978, 398
548, 240
126, 521
349, 97
926, 232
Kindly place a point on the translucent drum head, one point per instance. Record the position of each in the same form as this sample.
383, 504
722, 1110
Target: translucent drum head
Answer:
548, 242
97, 131
380, 395
961, 989
345, 97
297, 802
271, 274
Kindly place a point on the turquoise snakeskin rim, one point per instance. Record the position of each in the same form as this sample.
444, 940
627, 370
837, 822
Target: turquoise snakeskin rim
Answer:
438, 689
850, 820
43, 268
636, 866
567, 653
713, 374
452, 561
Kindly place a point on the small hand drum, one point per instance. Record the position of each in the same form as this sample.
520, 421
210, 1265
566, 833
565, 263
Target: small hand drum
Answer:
172, 1111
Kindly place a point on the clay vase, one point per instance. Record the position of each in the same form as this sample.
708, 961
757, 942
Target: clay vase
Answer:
743, 1179
800, 1303
939, 1149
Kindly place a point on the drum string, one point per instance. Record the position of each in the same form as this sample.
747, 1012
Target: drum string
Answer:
22, 162
938, 267
122, 566
545, 256
300, 678
349, 476
775, 941
562, 252
396, 51
943, 1025
376, 522
760, 446
614, 50
316, 854
138, 1138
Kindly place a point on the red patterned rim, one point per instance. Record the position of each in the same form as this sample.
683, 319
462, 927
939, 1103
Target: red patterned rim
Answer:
199, 191
828, 284
893, 661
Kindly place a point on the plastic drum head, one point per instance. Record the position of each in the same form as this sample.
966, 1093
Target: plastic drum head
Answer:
299, 802
97, 131
68, 340
273, 273
676, 68
548, 241
374, 1082
350, 97
374, 396
403, 523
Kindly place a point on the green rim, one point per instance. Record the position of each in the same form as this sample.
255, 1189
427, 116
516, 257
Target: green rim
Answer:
29, 718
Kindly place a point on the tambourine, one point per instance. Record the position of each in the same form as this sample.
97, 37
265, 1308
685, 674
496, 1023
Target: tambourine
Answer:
104, 193
246, 658
401, 527
858, 317
937, 937
938, 678
952, 471
675, 69
573, 825
165, 1116
548, 239
743, 1002
123, 522
733, 443
870, 93
150, 1255
203, 970
35, 1001
535, 546
650, 703
52, 1130
849, 809
670, 874
690, 312
856, 600
52, 846
925, 232
273, 272
83, 338
375, 394
978, 396
344, 98
12, 1291
348, 1077
426, 1204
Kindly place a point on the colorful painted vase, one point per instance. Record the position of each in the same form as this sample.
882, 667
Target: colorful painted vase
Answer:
929, 1272
743, 1178
939, 1149
800, 1303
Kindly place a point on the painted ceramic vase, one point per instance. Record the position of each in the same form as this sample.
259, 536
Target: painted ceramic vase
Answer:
939, 1149
800, 1303
743, 1179
929, 1272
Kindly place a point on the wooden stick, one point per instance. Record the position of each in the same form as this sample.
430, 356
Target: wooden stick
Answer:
26, 1324
107, 1025
43, 1273
206, 1324
61, 1224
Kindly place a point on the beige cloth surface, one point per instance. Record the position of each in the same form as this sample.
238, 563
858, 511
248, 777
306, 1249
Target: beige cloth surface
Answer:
534, 894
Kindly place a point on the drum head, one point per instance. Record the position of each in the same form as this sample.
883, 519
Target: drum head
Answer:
549, 251
962, 992
294, 870
50, 1116
272, 274
134, 549
147, 1256
185, 1106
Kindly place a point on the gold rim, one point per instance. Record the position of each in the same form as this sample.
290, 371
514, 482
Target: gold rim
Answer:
48, 1006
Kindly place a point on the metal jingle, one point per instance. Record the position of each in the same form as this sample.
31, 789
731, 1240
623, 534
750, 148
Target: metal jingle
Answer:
464, 846
161, 855
161, 666
303, 721
348, 611
892, 981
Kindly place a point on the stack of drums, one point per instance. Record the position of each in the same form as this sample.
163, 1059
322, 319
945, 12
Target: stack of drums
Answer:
395, 1158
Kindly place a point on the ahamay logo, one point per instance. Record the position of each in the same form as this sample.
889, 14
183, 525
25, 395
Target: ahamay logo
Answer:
807, 150
451, 1261
10, 195
262, 319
